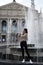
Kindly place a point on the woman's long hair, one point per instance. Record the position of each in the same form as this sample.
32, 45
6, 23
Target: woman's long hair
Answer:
25, 30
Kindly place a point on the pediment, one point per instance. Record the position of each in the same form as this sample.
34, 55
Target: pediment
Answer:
13, 5
13, 9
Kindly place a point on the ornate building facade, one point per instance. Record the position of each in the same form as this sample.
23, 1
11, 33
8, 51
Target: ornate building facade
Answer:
14, 17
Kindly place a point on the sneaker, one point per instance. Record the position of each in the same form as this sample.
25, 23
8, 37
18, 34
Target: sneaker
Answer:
31, 61
23, 60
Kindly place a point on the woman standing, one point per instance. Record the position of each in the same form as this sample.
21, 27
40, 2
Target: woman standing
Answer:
23, 44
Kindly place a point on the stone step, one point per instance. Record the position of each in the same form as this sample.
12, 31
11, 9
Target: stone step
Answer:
8, 62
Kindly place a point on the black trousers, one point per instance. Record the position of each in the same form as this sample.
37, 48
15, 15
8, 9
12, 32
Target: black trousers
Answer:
23, 45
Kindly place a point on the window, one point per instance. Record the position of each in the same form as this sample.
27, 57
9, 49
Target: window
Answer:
14, 25
23, 22
3, 38
4, 26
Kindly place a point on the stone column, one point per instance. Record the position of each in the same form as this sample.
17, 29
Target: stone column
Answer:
9, 29
20, 25
8, 35
18, 31
0, 30
0, 26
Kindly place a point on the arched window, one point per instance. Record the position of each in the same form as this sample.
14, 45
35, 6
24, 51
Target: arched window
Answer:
4, 26
23, 22
14, 25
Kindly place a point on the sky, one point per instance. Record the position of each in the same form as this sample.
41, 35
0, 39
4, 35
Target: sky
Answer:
38, 3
